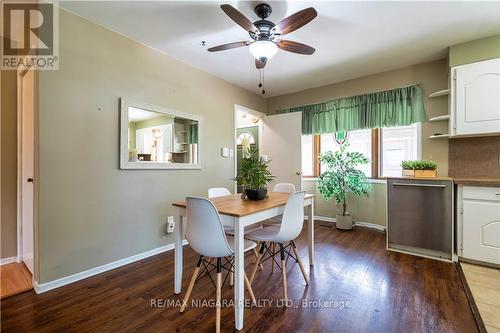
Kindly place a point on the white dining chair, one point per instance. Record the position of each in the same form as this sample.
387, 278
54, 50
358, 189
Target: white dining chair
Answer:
284, 188
205, 234
215, 192
282, 235
281, 188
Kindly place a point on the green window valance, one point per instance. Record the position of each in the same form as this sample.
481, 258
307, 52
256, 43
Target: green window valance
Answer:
396, 107
192, 134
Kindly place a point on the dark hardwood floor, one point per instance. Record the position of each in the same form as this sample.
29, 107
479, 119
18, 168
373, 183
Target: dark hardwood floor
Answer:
381, 291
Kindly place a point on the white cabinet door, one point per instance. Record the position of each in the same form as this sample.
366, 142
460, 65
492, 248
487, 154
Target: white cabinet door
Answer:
481, 230
476, 98
282, 143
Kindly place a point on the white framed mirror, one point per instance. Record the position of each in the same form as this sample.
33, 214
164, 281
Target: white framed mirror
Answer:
154, 137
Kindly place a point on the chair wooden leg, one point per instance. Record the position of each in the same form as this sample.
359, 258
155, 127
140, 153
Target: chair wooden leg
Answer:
300, 263
256, 254
249, 288
272, 259
191, 285
283, 271
218, 295
256, 266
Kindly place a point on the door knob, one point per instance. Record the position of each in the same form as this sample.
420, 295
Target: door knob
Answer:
30, 180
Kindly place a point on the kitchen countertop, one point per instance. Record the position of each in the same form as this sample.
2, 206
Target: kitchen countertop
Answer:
420, 178
473, 181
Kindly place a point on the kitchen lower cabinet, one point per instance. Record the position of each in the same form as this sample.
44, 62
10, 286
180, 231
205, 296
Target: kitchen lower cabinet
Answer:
479, 223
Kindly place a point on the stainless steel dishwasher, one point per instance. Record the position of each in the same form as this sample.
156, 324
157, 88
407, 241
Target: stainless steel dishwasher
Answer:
420, 217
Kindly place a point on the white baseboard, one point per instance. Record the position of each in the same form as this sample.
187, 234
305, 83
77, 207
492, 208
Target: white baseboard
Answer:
358, 223
43, 287
5, 261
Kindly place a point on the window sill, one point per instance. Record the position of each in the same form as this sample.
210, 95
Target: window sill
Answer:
370, 180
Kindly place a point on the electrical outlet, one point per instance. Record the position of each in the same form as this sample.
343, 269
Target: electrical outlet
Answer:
170, 224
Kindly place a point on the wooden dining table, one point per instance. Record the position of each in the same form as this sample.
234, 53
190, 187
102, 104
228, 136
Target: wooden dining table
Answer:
239, 213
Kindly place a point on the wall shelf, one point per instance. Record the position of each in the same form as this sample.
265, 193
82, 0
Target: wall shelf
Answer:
440, 118
439, 136
440, 93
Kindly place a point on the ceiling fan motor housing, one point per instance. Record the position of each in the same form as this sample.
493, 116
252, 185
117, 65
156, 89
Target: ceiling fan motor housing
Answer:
264, 27
263, 11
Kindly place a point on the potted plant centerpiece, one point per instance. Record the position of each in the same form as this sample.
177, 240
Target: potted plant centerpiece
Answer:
254, 175
340, 178
419, 169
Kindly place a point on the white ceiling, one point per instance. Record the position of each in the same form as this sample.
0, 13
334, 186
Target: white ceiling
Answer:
352, 39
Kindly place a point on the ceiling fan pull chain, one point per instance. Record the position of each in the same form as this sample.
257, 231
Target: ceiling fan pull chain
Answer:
263, 82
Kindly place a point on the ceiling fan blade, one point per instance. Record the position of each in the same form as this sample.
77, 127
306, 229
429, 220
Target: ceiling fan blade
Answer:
294, 47
239, 18
228, 46
295, 21
260, 64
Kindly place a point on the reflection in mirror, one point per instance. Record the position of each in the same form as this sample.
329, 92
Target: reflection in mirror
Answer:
159, 138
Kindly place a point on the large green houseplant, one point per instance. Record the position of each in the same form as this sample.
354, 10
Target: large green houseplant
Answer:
342, 177
254, 175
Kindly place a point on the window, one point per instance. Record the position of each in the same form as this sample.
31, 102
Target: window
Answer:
396, 145
245, 137
385, 147
359, 141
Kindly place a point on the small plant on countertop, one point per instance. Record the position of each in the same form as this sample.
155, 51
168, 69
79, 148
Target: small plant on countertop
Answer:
419, 165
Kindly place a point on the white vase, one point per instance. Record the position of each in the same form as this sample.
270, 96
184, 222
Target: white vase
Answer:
344, 222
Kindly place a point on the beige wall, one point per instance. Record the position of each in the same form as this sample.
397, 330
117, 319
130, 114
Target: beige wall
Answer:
473, 51
433, 76
370, 209
9, 164
92, 213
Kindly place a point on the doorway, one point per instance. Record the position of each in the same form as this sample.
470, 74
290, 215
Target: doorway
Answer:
18, 277
248, 135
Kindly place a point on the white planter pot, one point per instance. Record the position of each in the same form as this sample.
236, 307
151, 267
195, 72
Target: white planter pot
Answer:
344, 222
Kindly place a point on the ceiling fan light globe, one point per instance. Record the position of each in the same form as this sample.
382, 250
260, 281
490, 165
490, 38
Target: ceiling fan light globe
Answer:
263, 49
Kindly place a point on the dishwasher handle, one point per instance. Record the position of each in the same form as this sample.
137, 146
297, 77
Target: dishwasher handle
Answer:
419, 185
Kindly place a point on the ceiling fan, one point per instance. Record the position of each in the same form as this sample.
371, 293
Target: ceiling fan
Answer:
266, 36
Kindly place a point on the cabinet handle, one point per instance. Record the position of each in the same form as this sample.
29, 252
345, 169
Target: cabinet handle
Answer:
420, 185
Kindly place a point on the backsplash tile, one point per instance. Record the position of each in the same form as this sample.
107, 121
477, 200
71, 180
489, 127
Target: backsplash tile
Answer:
474, 157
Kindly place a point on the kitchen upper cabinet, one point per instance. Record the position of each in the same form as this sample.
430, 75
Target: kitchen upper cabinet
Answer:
475, 98
479, 223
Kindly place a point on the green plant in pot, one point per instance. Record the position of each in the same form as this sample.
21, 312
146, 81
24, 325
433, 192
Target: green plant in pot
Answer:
419, 169
254, 175
342, 177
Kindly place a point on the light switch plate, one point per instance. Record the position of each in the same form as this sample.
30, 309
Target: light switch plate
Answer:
170, 224
224, 152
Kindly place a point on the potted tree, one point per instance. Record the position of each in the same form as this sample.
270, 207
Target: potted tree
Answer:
340, 178
254, 175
